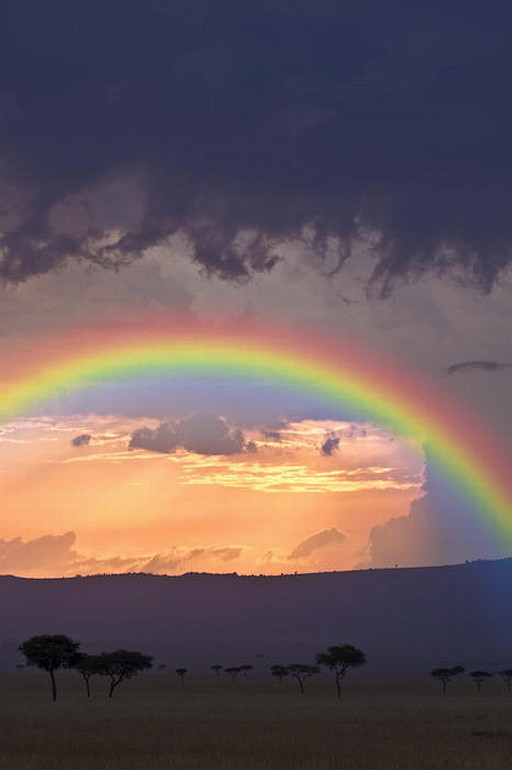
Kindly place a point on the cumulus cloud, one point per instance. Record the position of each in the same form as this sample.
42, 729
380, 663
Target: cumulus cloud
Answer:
50, 554
487, 366
53, 555
82, 440
321, 539
443, 526
200, 433
244, 126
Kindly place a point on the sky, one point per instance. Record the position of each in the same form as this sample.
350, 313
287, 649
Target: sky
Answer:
341, 168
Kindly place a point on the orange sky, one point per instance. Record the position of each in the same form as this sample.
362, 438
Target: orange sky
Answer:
254, 511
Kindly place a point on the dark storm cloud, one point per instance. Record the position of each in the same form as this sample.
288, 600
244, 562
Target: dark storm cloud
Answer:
82, 440
318, 540
330, 446
239, 123
488, 366
204, 434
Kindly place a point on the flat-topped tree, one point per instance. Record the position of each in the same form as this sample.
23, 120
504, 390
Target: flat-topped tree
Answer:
478, 677
506, 675
122, 664
217, 668
50, 652
301, 672
339, 658
246, 668
279, 671
181, 673
233, 671
445, 675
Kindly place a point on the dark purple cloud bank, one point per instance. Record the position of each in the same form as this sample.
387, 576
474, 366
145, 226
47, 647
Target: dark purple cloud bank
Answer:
217, 118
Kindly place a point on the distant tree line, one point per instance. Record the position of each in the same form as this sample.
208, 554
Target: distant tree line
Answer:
54, 652
446, 675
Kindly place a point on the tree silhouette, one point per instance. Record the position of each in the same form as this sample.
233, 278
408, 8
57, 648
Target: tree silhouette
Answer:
279, 671
478, 677
245, 668
301, 672
339, 658
216, 668
506, 675
122, 664
181, 673
233, 671
87, 666
50, 652
445, 675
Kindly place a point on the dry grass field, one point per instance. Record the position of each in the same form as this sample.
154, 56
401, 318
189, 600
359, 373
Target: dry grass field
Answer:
210, 723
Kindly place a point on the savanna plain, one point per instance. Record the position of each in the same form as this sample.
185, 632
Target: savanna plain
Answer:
208, 722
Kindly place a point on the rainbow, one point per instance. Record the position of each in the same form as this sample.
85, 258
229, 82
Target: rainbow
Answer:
336, 372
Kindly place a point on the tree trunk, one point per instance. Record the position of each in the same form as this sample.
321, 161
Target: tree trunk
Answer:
54, 686
112, 686
444, 688
301, 685
87, 687
338, 685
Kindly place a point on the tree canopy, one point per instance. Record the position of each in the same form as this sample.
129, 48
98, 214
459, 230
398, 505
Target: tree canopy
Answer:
50, 652
339, 658
122, 664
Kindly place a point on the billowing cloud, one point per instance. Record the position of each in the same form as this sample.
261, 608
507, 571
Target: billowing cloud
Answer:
47, 555
321, 539
200, 433
330, 446
487, 366
245, 126
443, 526
82, 440
55, 555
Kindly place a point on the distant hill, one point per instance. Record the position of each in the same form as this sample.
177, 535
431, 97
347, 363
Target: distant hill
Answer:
404, 619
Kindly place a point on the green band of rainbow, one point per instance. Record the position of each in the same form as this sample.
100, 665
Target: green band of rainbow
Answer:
337, 373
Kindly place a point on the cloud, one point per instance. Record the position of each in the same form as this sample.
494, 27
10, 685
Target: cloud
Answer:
200, 433
488, 366
318, 540
52, 555
443, 526
242, 127
330, 446
82, 440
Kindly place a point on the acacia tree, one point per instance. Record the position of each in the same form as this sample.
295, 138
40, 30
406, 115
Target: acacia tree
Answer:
246, 668
233, 671
301, 672
181, 673
339, 658
445, 675
87, 666
122, 664
279, 671
506, 675
50, 652
217, 668
478, 677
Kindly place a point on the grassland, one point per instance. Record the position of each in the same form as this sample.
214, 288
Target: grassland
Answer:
210, 723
